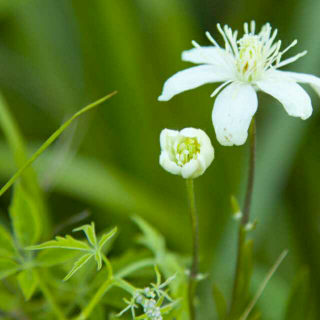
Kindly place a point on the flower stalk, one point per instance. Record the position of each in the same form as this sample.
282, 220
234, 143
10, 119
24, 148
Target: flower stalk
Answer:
236, 292
195, 250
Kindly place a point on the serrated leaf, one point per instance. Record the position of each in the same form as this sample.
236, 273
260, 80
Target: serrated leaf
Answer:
90, 233
220, 302
7, 248
55, 256
151, 238
98, 259
78, 264
25, 217
8, 267
106, 237
299, 301
63, 243
28, 283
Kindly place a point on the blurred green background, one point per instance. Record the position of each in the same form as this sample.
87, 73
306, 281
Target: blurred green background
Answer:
57, 56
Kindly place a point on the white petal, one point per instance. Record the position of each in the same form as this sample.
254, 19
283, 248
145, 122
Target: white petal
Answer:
210, 55
203, 55
293, 97
165, 135
189, 79
206, 148
192, 169
232, 113
190, 132
304, 78
169, 165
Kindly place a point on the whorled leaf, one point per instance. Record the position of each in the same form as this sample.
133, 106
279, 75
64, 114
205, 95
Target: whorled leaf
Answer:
8, 267
28, 283
106, 237
63, 243
7, 247
90, 233
78, 264
54, 256
25, 217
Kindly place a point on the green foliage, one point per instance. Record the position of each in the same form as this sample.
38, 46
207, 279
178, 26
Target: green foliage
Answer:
8, 267
25, 218
299, 303
28, 282
93, 249
220, 302
7, 247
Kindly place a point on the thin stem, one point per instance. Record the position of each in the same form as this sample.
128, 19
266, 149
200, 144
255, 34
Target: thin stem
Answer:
263, 285
245, 219
86, 312
252, 165
195, 250
49, 297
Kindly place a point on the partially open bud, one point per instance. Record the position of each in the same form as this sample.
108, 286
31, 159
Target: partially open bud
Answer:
187, 153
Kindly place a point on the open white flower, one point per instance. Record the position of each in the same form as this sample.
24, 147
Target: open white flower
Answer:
244, 66
187, 153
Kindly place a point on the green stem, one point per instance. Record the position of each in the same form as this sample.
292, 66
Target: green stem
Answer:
195, 250
134, 267
49, 297
86, 312
236, 292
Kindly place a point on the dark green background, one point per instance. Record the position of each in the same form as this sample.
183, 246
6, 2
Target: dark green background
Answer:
57, 56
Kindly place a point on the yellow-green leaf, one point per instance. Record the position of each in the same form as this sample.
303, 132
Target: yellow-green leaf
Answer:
78, 264
25, 217
62, 243
8, 267
28, 283
7, 248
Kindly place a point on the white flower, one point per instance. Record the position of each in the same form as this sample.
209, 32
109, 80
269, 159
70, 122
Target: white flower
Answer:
187, 153
244, 66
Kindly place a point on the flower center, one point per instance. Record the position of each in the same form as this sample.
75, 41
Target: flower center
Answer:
250, 58
186, 150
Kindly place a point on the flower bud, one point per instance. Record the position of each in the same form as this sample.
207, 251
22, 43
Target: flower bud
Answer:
187, 153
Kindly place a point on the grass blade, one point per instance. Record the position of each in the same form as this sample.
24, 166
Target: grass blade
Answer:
263, 285
53, 137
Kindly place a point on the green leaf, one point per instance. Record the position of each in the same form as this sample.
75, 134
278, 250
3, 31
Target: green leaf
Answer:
106, 237
28, 283
221, 304
51, 139
90, 233
7, 248
63, 243
25, 217
8, 267
16, 143
299, 301
55, 256
78, 264
9, 301
151, 238
98, 258
169, 307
